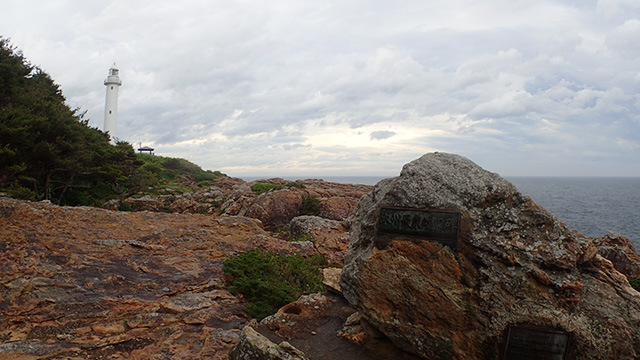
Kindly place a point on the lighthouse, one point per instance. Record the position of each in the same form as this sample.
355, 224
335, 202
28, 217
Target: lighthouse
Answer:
112, 83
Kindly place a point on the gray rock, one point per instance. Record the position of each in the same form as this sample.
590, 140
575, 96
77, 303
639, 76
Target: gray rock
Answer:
620, 251
308, 224
254, 346
329, 237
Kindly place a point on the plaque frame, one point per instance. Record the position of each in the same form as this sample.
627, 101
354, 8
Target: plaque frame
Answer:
533, 347
439, 225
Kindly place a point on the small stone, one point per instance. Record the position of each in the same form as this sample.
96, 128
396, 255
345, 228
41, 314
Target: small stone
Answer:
254, 346
108, 328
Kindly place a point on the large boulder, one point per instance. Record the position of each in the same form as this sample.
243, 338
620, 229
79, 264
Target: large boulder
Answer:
451, 262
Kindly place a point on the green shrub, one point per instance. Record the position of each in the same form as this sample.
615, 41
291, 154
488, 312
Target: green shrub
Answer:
295, 184
261, 188
22, 193
204, 183
635, 283
268, 281
303, 237
125, 207
310, 205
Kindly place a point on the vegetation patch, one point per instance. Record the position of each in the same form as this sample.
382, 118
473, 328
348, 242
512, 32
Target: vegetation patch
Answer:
23, 193
635, 283
310, 205
302, 237
261, 188
295, 184
160, 171
268, 281
125, 207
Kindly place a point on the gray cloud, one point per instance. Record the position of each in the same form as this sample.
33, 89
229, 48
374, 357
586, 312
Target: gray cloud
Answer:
546, 88
381, 135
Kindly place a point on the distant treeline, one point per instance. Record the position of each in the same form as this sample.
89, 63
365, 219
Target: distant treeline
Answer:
48, 150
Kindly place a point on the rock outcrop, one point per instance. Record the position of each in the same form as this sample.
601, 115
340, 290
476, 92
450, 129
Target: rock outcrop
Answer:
276, 208
621, 252
80, 283
510, 266
313, 326
232, 196
254, 346
201, 201
299, 319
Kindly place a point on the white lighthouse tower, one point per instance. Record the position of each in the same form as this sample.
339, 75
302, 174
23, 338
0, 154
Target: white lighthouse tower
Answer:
112, 83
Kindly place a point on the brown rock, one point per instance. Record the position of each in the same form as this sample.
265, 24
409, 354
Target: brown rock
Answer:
108, 328
203, 201
512, 263
144, 203
217, 344
299, 318
353, 330
83, 282
195, 301
276, 208
331, 279
621, 252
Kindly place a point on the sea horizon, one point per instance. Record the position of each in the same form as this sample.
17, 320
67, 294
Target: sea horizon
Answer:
374, 179
592, 205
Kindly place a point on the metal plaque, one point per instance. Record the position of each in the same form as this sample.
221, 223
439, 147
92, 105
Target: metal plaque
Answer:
531, 343
437, 225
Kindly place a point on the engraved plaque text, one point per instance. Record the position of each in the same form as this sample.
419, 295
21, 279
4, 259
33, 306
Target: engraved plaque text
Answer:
441, 226
524, 343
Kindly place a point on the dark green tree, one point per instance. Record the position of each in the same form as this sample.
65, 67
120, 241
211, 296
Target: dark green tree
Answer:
48, 150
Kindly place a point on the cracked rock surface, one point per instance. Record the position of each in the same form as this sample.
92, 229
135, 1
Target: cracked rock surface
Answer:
80, 283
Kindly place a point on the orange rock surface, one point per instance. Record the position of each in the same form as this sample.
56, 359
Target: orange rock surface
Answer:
79, 283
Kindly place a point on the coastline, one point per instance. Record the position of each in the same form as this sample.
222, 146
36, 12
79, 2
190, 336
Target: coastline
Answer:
591, 205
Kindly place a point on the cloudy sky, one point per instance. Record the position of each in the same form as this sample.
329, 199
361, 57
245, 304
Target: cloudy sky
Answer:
354, 87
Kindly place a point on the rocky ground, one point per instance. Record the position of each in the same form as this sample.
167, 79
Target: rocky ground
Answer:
89, 283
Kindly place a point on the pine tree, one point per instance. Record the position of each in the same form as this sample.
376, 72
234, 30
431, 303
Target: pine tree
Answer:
47, 150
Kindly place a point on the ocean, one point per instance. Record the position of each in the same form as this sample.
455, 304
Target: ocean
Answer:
590, 205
